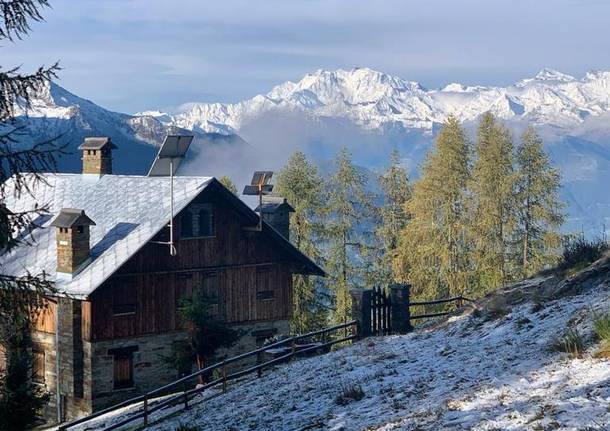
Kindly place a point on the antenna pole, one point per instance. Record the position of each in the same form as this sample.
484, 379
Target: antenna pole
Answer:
260, 206
172, 249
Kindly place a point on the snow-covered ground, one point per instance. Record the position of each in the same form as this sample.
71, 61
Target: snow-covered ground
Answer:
481, 370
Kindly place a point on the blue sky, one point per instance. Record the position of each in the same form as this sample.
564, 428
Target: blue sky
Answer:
130, 55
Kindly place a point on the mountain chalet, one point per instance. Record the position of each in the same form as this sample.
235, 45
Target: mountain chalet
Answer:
104, 337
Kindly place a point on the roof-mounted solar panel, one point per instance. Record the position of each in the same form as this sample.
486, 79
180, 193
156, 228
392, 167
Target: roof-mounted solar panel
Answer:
171, 154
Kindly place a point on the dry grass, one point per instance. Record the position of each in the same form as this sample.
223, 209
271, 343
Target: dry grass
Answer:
601, 326
572, 343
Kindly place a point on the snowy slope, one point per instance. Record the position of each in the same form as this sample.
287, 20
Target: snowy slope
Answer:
375, 100
483, 371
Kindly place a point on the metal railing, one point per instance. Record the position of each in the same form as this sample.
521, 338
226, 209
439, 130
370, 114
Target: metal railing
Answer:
181, 391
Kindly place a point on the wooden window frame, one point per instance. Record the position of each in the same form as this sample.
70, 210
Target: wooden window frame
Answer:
126, 309
265, 295
189, 214
36, 376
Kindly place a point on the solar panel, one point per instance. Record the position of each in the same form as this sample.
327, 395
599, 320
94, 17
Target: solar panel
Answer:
171, 153
254, 190
261, 178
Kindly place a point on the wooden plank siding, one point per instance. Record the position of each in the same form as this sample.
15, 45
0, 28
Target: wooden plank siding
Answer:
235, 265
45, 320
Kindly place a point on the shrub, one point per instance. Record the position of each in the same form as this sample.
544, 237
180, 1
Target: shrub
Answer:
601, 324
349, 392
579, 252
571, 342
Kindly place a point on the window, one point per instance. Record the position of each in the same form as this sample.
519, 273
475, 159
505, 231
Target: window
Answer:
265, 295
80, 229
124, 298
38, 366
197, 221
123, 367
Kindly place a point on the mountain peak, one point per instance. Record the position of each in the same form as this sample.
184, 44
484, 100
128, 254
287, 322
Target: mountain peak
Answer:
553, 75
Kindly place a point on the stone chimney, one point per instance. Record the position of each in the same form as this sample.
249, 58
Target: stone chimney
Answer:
276, 212
97, 155
72, 237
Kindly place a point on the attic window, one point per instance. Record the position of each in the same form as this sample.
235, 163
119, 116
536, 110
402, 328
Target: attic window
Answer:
80, 229
197, 221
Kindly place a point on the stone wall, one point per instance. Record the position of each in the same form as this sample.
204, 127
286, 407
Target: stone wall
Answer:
74, 363
98, 163
150, 370
87, 369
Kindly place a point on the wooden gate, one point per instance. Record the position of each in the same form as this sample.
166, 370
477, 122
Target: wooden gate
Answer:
381, 312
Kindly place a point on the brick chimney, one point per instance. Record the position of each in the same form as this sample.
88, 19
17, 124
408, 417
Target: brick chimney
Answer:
97, 155
72, 237
276, 212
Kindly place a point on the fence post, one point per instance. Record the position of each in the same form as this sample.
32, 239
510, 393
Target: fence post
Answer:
224, 376
145, 410
259, 372
186, 396
401, 315
361, 310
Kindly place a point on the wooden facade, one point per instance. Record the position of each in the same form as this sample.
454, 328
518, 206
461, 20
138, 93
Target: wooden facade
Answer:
245, 269
251, 279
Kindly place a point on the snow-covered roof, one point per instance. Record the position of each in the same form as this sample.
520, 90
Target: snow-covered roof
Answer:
127, 210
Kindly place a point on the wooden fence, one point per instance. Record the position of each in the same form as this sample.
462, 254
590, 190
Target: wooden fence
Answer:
459, 300
381, 312
181, 391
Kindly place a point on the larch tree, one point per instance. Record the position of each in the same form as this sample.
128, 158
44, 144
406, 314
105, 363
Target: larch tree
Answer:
433, 246
22, 297
347, 231
393, 217
228, 183
301, 184
539, 208
493, 217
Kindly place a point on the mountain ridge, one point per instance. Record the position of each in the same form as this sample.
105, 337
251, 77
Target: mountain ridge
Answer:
374, 100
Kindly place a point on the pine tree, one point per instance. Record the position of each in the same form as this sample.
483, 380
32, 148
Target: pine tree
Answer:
228, 183
21, 297
301, 184
349, 211
540, 211
393, 217
493, 205
433, 246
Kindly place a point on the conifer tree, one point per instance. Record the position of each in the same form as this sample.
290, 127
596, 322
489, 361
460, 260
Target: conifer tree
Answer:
433, 248
493, 204
21, 297
301, 184
228, 183
349, 211
393, 217
540, 211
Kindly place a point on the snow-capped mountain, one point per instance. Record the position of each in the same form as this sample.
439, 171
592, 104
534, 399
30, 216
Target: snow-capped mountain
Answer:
374, 100
368, 111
